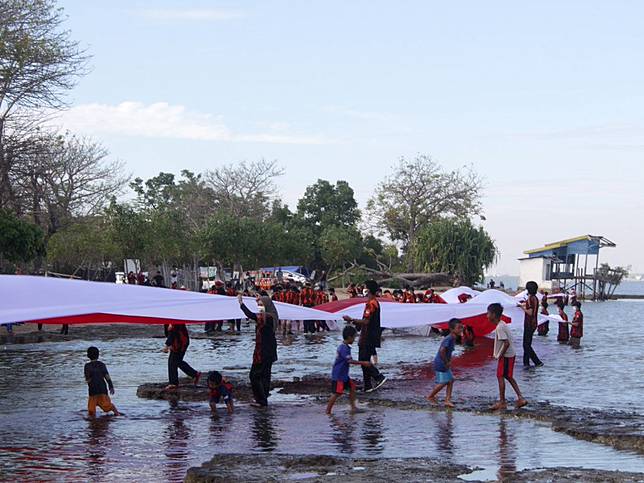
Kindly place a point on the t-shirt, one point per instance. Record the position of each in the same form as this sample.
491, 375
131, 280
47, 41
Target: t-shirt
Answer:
577, 331
340, 370
95, 373
447, 343
532, 306
370, 333
222, 391
501, 334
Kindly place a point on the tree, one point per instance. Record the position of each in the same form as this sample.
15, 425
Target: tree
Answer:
244, 189
456, 247
19, 241
250, 243
419, 192
82, 245
339, 246
324, 205
39, 63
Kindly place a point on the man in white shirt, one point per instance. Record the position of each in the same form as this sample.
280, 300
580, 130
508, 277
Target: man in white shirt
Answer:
504, 352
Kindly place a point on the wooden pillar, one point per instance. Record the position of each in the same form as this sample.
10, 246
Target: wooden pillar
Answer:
585, 272
595, 275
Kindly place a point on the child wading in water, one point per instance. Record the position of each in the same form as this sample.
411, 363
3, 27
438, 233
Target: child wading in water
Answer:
96, 375
340, 380
220, 389
505, 353
562, 335
577, 326
443, 362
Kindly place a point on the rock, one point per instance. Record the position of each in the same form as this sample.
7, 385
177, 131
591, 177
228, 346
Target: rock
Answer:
316, 468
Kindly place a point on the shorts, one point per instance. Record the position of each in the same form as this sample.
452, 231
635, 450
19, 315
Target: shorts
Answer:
505, 367
338, 387
444, 377
103, 401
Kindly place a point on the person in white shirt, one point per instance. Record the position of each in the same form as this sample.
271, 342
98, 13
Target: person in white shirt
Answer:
504, 352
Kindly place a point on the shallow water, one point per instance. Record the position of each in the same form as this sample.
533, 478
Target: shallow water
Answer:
43, 432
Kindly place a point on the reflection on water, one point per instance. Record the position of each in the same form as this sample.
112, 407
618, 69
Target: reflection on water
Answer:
263, 430
43, 431
506, 455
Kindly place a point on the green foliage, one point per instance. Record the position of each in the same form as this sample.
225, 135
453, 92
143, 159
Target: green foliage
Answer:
19, 241
456, 247
250, 243
418, 192
339, 245
82, 244
324, 205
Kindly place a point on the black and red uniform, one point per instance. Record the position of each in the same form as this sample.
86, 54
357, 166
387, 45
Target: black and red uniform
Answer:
563, 334
178, 341
307, 297
369, 341
264, 355
529, 326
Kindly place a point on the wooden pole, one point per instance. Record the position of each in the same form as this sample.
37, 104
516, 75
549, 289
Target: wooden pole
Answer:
585, 272
595, 274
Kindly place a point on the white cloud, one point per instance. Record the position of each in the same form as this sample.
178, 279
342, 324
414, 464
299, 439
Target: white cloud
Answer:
162, 120
197, 14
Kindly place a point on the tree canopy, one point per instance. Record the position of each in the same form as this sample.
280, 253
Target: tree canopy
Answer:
20, 241
420, 191
456, 247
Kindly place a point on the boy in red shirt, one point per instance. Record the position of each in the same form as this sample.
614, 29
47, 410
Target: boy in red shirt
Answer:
220, 389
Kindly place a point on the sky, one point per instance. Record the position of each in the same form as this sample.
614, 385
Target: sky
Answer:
543, 99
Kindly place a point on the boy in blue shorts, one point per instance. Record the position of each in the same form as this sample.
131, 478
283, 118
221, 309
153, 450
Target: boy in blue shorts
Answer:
443, 362
340, 380
220, 389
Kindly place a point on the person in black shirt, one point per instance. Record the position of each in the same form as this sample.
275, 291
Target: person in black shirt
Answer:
177, 344
370, 336
265, 353
158, 279
96, 376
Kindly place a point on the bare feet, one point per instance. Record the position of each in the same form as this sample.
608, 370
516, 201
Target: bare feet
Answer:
432, 400
448, 403
170, 387
356, 410
521, 402
499, 406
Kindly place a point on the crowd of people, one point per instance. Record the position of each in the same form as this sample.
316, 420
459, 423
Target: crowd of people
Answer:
369, 333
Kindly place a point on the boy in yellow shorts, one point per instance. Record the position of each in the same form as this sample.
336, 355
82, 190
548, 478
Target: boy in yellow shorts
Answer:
96, 376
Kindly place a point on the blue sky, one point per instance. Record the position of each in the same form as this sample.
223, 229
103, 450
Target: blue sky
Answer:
544, 99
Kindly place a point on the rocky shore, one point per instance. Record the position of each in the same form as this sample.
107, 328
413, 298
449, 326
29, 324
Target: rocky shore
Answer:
312, 468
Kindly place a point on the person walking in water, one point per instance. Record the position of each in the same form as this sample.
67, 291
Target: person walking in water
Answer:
369, 338
265, 353
531, 309
562, 335
177, 344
